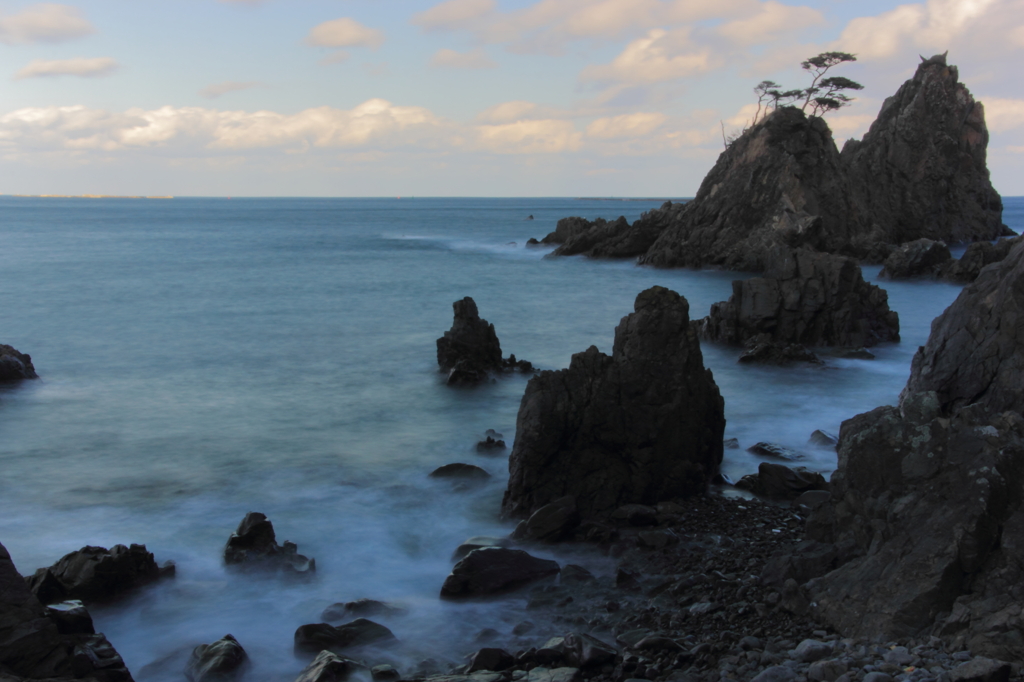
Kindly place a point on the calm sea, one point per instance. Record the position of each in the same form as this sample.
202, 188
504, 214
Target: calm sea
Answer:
201, 358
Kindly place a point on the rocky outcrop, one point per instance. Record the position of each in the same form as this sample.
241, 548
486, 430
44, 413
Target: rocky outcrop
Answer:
317, 637
920, 170
33, 647
221, 661
97, 574
642, 425
254, 547
15, 366
604, 239
470, 350
805, 297
329, 667
779, 482
975, 352
762, 350
919, 258
976, 257
495, 570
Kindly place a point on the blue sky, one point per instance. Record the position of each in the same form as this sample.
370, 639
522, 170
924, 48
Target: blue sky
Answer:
463, 98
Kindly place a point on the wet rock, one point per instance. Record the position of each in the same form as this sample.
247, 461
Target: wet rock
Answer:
920, 170
823, 439
981, 669
490, 444
15, 366
478, 542
977, 256
776, 673
96, 574
604, 239
552, 674
811, 650
329, 667
470, 350
383, 673
638, 427
636, 515
460, 471
762, 350
316, 637
219, 661
731, 444
975, 352
807, 298
254, 547
775, 451
813, 498
919, 258
491, 659
71, 618
511, 364
571, 573
551, 523
495, 570
533, 241
360, 608
776, 481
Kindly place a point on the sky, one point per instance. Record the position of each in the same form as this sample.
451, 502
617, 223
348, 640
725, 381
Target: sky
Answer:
624, 98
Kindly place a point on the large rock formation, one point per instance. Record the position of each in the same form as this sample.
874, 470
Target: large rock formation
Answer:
96, 574
641, 426
616, 239
975, 258
807, 298
15, 366
920, 170
253, 546
469, 352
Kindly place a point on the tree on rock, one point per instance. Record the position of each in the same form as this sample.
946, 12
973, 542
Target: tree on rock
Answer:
826, 94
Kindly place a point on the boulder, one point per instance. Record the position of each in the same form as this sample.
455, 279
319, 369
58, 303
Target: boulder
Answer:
97, 574
920, 170
490, 658
551, 523
779, 482
805, 297
317, 637
975, 352
460, 471
222, 660
329, 667
254, 547
774, 451
919, 258
15, 366
823, 439
478, 542
495, 570
470, 350
976, 257
360, 608
640, 426
490, 444
71, 618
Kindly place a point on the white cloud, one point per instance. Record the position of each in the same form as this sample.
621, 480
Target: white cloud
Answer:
83, 67
474, 59
772, 21
218, 89
344, 32
508, 112
626, 126
659, 56
544, 136
453, 14
1003, 114
43, 23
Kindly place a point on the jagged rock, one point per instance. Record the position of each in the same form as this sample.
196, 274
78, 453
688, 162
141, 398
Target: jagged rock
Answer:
552, 522
478, 542
360, 608
32, 647
94, 574
490, 444
774, 450
71, 618
383, 673
470, 350
494, 570
777, 481
976, 257
491, 659
763, 351
919, 258
920, 170
15, 366
804, 297
975, 352
823, 439
254, 547
458, 470
329, 667
317, 637
604, 239
640, 426
981, 669
217, 662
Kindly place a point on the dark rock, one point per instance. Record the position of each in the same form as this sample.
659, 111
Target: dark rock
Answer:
491, 659
383, 673
470, 350
551, 523
811, 650
774, 450
95, 574
316, 637
776, 673
487, 635
71, 618
460, 471
478, 542
360, 608
604, 239
823, 439
626, 580
638, 427
919, 258
763, 351
776, 481
510, 364
225, 659
975, 352
494, 570
804, 297
731, 444
15, 366
329, 667
490, 444
981, 669
920, 170
813, 498
532, 241
636, 515
976, 257
254, 547
571, 573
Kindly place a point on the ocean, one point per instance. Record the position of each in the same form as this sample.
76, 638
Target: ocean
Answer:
202, 358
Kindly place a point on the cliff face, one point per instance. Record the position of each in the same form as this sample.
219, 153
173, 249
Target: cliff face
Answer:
920, 170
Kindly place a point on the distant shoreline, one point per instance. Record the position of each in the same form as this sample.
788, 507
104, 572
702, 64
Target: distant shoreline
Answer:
84, 196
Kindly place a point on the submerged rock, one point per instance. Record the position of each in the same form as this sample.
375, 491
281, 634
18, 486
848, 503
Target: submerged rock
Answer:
360, 608
317, 637
254, 547
96, 574
495, 570
551, 523
220, 661
460, 471
643, 425
15, 366
763, 351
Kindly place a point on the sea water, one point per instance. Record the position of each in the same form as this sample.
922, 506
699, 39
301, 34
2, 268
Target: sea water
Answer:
202, 358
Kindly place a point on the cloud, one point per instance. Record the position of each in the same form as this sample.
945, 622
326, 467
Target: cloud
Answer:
508, 112
453, 14
544, 136
217, 89
1003, 114
626, 126
83, 67
344, 32
659, 56
44, 23
474, 59
252, 3
771, 22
